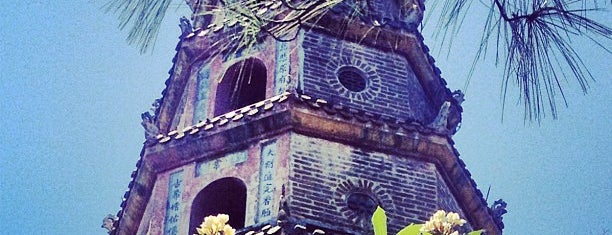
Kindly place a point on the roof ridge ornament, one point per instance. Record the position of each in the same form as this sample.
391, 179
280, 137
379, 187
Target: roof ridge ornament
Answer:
109, 223
440, 122
148, 123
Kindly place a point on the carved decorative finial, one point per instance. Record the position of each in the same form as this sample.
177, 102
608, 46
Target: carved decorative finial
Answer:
458, 96
185, 25
148, 122
109, 223
441, 120
410, 14
155, 106
498, 209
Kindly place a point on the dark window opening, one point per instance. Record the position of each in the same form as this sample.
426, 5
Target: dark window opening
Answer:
223, 196
352, 79
244, 83
361, 203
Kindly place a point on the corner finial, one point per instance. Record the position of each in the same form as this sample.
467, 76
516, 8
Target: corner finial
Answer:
185, 25
458, 96
498, 209
109, 223
148, 122
441, 121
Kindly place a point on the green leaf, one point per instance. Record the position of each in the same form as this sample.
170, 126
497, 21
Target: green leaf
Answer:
412, 229
379, 221
477, 232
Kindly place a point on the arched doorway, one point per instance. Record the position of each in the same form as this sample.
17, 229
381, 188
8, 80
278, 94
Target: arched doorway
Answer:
243, 83
223, 196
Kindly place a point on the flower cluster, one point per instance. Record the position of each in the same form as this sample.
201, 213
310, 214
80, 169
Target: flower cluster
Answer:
443, 224
216, 225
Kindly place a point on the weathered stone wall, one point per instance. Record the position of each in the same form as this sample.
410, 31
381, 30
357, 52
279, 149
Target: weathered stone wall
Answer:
392, 88
324, 173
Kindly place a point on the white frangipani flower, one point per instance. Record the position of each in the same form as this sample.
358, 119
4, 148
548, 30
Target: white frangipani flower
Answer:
216, 225
441, 223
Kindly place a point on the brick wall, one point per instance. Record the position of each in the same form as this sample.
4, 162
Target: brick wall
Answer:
392, 86
323, 174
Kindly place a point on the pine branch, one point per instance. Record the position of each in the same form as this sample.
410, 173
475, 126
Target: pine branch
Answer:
532, 40
143, 17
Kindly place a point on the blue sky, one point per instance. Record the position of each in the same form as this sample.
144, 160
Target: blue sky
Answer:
73, 91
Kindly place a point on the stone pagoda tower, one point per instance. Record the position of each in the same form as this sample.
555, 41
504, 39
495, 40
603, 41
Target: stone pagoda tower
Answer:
303, 136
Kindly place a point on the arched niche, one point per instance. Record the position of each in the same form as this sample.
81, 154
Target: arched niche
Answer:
243, 83
223, 196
